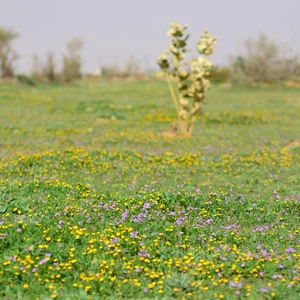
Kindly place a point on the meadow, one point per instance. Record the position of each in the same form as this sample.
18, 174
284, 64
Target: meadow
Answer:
95, 202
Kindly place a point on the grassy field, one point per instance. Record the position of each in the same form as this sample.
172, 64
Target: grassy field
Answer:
96, 203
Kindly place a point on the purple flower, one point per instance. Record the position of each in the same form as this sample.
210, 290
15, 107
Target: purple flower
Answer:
233, 284
19, 229
114, 240
124, 215
12, 258
145, 290
261, 274
144, 253
179, 221
280, 266
139, 218
290, 250
43, 261
48, 254
34, 270
134, 234
146, 205
262, 290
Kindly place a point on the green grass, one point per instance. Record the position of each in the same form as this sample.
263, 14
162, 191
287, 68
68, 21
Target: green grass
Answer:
96, 203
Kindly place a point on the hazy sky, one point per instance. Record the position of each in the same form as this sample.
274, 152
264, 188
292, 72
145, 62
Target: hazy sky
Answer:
116, 29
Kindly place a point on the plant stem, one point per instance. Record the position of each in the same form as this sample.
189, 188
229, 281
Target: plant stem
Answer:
172, 93
192, 125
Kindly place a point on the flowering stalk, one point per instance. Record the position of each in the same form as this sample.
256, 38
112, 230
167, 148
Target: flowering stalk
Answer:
190, 77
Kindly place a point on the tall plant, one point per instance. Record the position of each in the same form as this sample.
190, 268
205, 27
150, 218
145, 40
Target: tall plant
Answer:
190, 77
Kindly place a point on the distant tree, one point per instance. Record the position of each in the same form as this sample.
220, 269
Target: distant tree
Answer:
72, 61
36, 69
263, 61
7, 55
44, 71
49, 69
110, 71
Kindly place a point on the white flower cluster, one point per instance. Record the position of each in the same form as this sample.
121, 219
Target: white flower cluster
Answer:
200, 67
163, 60
206, 44
176, 29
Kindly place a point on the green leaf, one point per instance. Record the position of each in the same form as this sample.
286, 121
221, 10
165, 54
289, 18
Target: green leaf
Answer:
3, 208
183, 87
163, 63
180, 43
186, 38
178, 33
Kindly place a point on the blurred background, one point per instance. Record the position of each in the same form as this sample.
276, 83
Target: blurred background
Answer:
62, 41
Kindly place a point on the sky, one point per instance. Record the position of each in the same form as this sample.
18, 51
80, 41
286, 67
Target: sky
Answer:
115, 30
